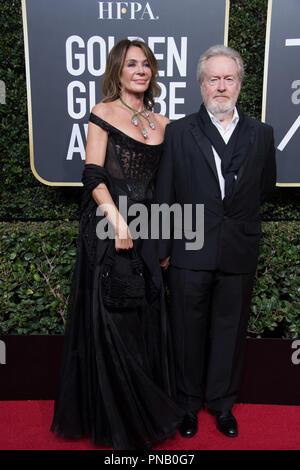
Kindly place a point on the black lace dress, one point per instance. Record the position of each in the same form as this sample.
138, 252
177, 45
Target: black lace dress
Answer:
117, 377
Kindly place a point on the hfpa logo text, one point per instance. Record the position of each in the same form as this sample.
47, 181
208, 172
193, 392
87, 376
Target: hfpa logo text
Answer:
129, 10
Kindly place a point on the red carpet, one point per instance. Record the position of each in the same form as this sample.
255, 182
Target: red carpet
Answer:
25, 426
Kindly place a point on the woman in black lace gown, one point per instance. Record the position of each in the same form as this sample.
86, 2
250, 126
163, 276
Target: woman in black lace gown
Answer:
117, 383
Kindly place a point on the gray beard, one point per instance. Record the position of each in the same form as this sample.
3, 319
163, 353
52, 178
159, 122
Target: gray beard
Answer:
221, 111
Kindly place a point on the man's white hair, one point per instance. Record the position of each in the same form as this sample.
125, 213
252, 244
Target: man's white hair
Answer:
220, 50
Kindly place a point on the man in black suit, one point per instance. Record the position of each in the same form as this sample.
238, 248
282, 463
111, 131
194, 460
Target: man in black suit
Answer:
225, 160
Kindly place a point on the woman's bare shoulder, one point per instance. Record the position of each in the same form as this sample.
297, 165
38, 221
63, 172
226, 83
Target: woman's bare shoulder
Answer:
103, 110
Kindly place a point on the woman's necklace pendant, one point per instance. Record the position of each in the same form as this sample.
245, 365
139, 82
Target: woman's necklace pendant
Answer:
137, 117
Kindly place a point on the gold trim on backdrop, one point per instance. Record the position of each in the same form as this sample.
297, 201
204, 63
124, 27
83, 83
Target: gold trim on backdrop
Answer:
226, 28
265, 82
266, 63
29, 105
294, 185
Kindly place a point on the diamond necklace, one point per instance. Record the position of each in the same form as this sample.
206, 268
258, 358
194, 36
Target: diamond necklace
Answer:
137, 115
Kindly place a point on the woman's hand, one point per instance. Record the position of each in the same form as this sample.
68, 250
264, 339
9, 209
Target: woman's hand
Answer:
123, 240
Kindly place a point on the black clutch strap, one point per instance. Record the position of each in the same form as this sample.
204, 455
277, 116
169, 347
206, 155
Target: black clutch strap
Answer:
135, 260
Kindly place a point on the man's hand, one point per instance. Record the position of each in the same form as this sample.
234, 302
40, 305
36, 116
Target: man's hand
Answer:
164, 263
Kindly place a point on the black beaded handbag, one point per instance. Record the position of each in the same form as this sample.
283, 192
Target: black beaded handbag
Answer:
122, 280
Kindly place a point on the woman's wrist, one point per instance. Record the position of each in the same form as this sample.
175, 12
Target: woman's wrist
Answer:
121, 228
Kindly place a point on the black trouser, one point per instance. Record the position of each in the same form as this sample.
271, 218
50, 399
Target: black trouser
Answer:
209, 313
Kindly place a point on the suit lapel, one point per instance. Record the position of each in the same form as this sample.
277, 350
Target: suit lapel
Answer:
204, 146
247, 159
249, 151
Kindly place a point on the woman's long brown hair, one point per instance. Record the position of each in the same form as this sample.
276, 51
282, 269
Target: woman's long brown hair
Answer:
111, 84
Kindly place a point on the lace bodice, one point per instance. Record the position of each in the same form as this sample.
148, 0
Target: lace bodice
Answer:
130, 163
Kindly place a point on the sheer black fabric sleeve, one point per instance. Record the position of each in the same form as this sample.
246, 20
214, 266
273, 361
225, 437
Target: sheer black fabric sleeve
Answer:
99, 122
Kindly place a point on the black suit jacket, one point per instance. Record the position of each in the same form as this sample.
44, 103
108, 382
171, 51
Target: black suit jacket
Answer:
188, 175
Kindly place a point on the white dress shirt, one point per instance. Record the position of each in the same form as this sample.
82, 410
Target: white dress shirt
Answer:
226, 134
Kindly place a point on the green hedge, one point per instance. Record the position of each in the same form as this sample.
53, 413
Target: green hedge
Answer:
36, 266
37, 262
276, 299
37, 259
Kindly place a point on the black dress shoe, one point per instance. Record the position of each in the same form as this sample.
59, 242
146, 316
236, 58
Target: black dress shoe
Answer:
226, 423
189, 425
